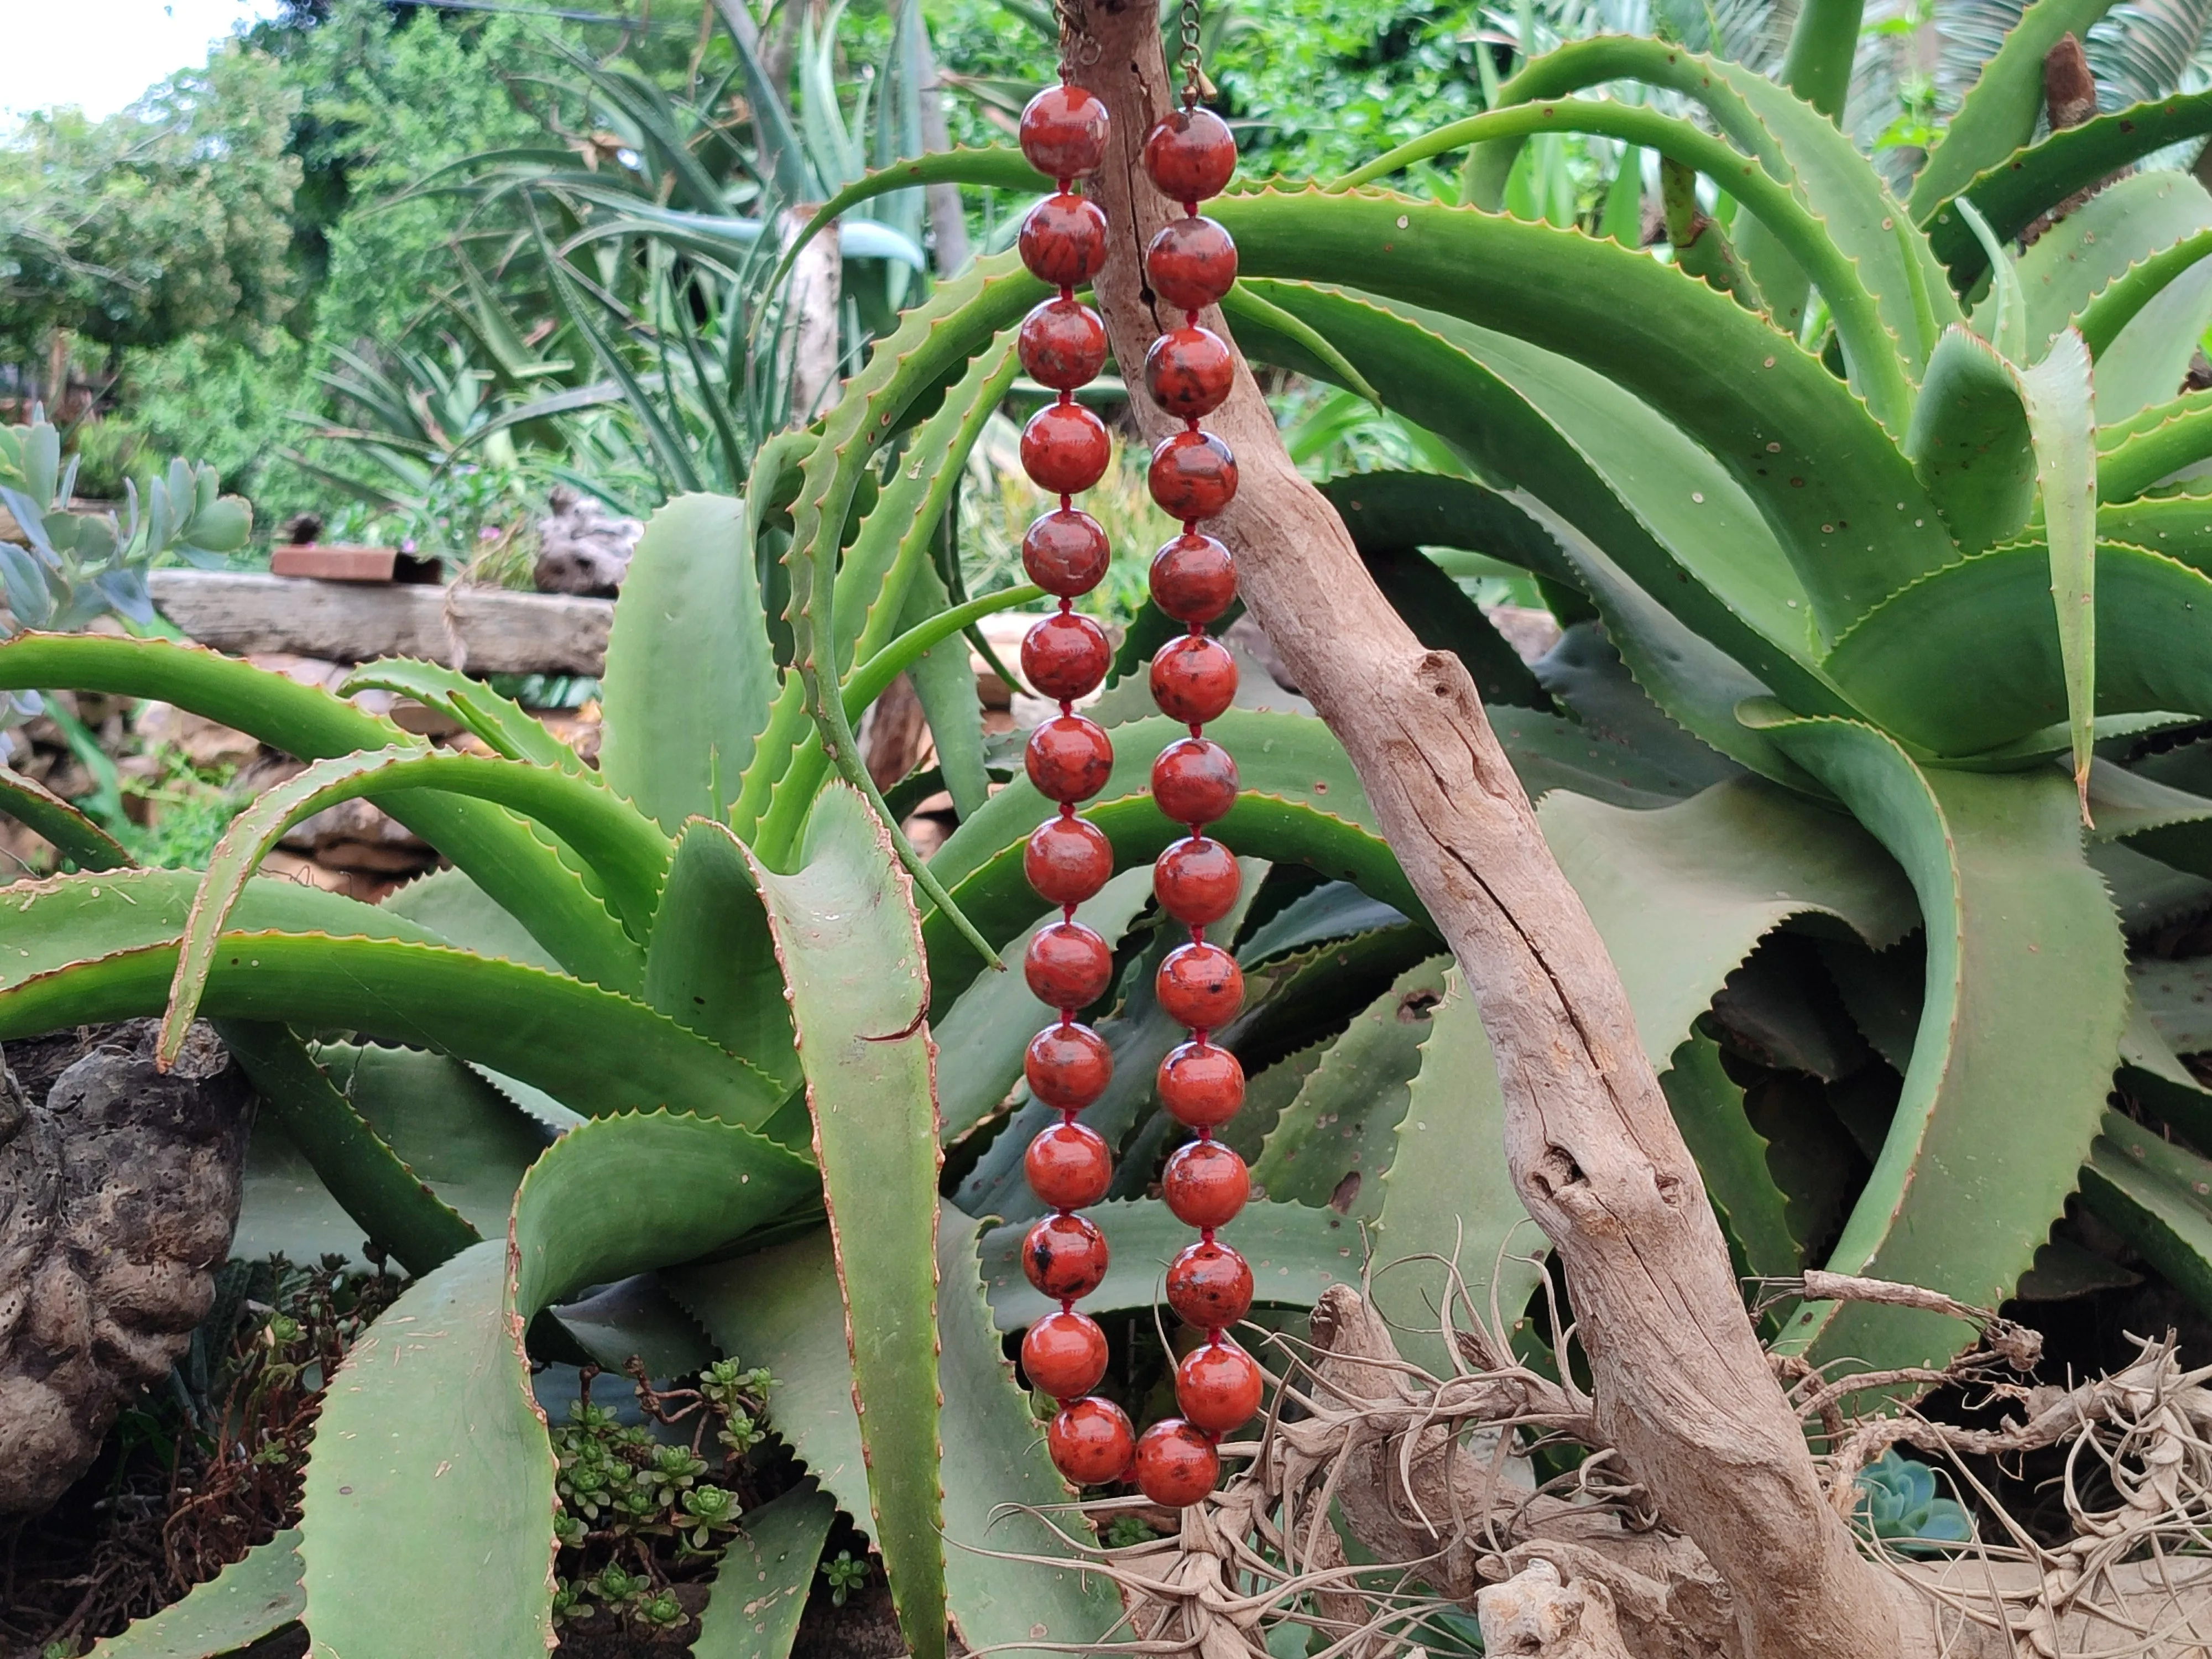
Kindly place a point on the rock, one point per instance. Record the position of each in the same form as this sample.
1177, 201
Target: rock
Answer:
580, 550
119, 1194
208, 745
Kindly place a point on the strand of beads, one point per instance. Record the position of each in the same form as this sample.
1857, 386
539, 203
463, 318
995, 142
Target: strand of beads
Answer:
1068, 966
1189, 156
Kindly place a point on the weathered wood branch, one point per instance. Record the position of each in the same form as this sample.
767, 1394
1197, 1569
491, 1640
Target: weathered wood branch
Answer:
1682, 1388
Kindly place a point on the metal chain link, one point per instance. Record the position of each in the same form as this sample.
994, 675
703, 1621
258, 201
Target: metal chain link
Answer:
1193, 77
1078, 48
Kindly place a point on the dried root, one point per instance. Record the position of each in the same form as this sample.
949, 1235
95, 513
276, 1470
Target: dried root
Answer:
1429, 1477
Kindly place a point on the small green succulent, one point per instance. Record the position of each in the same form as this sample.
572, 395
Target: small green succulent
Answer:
1899, 1505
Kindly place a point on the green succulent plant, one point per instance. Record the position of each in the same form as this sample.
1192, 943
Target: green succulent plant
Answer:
1899, 1504
1883, 536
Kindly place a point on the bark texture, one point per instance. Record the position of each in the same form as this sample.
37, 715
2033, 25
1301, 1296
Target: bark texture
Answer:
119, 1186
1682, 1386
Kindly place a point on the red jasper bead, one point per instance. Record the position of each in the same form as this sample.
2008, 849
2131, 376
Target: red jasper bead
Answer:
1193, 781
1188, 371
1193, 678
1196, 880
1068, 1165
1177, 1465
1192, 475
1065, 1256
1067, 861
1064, 552
1065, 449
1209, 1286
1063, 344
1069, 758
1217, 1386
1091, 1442
1067, 1065
1206, 1184
1189, 154
1065, 656
1065, 1354
1194, 578
1063, 241
1201, 986
1200, 1085
1190, 264
1067, 965
1063, 132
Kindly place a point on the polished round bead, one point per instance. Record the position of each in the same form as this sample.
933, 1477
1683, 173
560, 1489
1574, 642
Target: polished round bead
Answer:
1188, 371
1069, 758
1193, 474
1175, 1464
1069, 1166
1065, 449
1064, 1354
1189, 154
1065, 1256
1068, 860
1063, 241
1067, 1065
1190, 264
1193, 781
1196, 880
1063, 132
1193, 678
1067, 965
1063, 344
1091, 1442
1217, 1386
1194, 578
1199, 985
1209, 1286
1065, 656
1200, 1085
1206, 1184
1065, 552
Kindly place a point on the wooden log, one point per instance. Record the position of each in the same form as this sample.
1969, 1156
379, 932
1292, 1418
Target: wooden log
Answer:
486, 630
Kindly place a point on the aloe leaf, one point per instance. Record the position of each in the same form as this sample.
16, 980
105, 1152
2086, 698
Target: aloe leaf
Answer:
761, 1586
981, 1037
502, 723
2153, 352
252, 1597
1446, 1192
47, 816
781, 1308
357, 1166
1297, 1252
851, 950
521, 873
2176, 999
2001, 678
458, 912
689, 675
2159, 1219
630, 855
2026, 997
2031, 181
2097, 245
2062, 418
1731, 1156
712, 965
1816, 64
1334, 1141
1969, 441
996, 166
428, 1431
64, 919
1794, 439
943, 680
1681, 896
2121, 300
1999, 111
590, 1048
2139, 453
1442, 616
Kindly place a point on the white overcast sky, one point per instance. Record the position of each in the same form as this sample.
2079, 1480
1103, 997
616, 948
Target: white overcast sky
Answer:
101, 54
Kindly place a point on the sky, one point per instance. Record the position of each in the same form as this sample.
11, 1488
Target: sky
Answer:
101, 54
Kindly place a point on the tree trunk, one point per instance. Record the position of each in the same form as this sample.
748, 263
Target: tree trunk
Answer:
1682, 1384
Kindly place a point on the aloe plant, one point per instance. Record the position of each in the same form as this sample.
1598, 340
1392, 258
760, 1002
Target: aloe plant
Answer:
1884, 530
